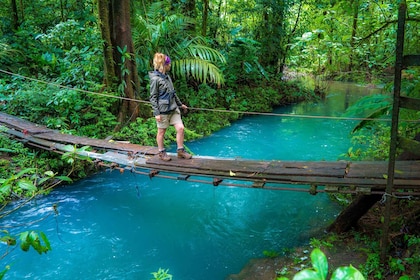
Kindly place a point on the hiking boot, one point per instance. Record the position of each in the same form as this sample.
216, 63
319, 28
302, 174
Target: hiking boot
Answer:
183, 154
164, 156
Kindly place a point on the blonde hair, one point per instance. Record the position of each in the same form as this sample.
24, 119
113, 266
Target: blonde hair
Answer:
159, 62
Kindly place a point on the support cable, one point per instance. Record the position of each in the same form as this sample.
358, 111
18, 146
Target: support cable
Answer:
207, 109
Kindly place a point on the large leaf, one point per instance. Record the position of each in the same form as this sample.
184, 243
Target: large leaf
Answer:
320, 263
25, 171
198, 69
347, 273
370, 108
320, 267
24, 242
307, 274
26, 185
370, 118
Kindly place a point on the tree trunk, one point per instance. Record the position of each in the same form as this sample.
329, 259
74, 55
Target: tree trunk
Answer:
127, 72
353, 31
119, 60
104, 24
189, 10
349, 217
15, 17
205, 16
271, 32
213, 27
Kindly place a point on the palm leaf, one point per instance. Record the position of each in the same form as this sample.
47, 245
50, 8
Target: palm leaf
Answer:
370, 118
200, 70
159, 31
369, 107
368, 104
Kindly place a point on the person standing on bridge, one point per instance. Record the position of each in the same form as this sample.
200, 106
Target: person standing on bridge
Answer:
166, 106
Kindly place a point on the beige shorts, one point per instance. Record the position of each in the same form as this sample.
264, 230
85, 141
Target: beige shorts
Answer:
170, 119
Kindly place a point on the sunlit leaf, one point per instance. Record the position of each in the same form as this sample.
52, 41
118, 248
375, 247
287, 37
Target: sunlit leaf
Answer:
319, 262
46, 241
10, 241
64, 178
347, 272
26, 185
307, 274
24, 244
49, 173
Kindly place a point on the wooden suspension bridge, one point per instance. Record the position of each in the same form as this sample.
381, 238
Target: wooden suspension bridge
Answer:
365, 177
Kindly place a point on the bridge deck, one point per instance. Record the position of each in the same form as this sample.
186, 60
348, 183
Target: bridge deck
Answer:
333, 176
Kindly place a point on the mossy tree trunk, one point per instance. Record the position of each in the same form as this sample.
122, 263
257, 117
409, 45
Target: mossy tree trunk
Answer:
119, 60
15, 17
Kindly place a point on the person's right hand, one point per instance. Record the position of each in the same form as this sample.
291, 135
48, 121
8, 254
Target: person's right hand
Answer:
158, 118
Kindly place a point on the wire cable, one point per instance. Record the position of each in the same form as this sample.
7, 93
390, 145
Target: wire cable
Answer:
207, 109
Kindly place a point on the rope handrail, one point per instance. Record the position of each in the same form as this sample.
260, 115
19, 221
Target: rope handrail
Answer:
207, 109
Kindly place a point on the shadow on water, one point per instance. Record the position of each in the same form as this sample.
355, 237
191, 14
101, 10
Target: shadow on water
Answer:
125, 226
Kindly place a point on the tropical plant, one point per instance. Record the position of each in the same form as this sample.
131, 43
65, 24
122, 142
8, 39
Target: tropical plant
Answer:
243, 66
159, 31
6, 51
373, 132
161, 274
320, 270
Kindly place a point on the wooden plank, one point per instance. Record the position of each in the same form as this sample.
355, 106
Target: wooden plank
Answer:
287, 179
375, 170
302, 168
379, 170
307, 168
407, 170
99, 143
42, 132
21, 124
335, 175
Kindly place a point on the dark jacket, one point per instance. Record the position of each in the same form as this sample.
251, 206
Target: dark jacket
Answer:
162, 94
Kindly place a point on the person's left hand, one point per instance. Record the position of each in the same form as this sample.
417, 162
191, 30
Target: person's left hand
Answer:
184, 108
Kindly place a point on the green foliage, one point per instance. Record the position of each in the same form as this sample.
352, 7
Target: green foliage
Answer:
370, 107
10, 147
373, 266
371, 136
17, 186
74, 153
320, 270
161, 274
371, 143
270, 253
242, 65
171, 34
2, 273
33, 239
142, 132
63, 109
66, 54
27, 184
317, 243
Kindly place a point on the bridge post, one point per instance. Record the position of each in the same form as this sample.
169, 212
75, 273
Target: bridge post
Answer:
394, 128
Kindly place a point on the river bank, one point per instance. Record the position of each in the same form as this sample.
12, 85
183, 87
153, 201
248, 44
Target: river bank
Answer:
359, 248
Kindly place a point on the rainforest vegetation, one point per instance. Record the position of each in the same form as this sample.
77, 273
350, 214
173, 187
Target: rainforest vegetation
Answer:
81, 67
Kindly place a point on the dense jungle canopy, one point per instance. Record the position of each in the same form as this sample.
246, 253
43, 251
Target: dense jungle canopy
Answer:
82, 67
219, 50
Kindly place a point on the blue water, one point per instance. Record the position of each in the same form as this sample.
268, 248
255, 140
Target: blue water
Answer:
126, 226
